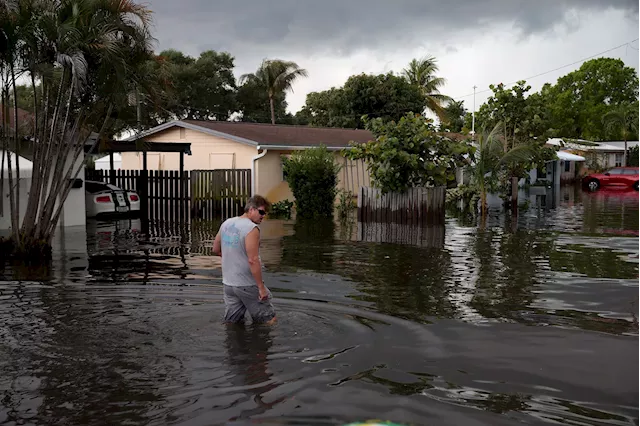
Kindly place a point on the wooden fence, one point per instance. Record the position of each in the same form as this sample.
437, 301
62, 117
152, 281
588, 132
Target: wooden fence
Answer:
171, 197
418, 206
219, 193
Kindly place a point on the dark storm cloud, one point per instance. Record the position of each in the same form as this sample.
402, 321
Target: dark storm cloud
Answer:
339, 27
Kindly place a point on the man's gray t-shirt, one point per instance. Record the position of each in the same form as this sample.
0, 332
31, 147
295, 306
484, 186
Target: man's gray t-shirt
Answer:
235, 262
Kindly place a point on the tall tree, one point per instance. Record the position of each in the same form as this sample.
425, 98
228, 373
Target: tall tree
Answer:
580, 99
491, 160
196, 89
384, 96
454, 115
86, 55
520, 123
277, 77
253, 102
328, 108
409, 153
422, 73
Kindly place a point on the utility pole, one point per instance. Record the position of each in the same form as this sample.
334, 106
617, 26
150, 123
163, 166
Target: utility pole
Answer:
473, 114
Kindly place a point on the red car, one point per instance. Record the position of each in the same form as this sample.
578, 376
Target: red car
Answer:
623, 177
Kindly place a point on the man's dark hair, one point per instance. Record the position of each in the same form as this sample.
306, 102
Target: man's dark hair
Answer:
257, 201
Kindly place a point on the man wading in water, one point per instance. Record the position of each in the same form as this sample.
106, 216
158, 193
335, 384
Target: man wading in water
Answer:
238, 242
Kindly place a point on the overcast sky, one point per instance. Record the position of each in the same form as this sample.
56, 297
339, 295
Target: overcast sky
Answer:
476, 42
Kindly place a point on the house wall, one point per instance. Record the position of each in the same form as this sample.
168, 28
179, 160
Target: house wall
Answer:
208, 152
271, 184
73, 210
570, 175
269, 179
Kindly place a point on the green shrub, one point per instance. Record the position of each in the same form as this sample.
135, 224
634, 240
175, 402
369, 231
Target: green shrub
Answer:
281, 209
312, 175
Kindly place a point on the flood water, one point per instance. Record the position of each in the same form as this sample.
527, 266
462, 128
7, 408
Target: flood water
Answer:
527, 321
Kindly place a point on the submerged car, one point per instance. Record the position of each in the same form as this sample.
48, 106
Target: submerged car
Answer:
103, 199
624, 177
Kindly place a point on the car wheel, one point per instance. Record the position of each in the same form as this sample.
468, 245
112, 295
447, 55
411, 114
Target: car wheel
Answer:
593, 185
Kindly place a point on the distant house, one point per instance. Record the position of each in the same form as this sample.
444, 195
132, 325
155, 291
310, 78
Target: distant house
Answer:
25, 119
598, 155
73, 213
258, 147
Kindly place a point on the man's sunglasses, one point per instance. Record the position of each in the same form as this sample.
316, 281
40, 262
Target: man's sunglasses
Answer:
262, 212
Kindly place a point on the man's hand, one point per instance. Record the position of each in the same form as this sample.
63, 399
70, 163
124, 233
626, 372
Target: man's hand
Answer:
264, 293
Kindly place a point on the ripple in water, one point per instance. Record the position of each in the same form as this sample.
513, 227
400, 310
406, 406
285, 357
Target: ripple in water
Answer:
156, 354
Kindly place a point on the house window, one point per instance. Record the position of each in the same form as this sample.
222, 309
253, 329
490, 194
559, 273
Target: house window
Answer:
567, 166
619, 159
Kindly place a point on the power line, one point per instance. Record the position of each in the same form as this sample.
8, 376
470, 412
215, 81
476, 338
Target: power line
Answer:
553, 70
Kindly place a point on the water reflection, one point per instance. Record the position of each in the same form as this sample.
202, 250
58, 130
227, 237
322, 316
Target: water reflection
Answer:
248, 349
528, 319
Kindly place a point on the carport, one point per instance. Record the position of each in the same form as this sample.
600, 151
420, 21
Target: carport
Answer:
112, 146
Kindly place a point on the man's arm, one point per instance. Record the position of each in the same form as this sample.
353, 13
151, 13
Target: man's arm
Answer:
217, 245
252, 245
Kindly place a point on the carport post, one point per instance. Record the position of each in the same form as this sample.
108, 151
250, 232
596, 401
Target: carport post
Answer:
144, 190
112, 173
183, 192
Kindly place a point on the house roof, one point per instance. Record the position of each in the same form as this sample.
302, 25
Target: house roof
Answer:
25, 118
567, 156
584, 145
271, 136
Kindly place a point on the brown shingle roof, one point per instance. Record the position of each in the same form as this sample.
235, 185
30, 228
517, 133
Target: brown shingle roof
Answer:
25, 118
285, 135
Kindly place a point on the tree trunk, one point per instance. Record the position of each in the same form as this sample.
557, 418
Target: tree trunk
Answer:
17, 144
273, 112
514, 194
483, 201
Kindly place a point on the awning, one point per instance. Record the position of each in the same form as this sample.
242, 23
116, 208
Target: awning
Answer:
567, 156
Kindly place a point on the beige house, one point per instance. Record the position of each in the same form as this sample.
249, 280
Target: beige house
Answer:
258, 147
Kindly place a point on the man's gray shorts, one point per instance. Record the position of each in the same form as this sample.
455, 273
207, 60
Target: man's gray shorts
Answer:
238, 300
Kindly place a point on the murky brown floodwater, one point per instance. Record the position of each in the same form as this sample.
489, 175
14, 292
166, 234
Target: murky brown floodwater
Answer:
525, 322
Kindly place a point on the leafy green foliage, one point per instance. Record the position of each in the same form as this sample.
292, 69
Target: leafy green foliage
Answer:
580, 99
275, 77
572, 108
454, 117
312, 175
281, 209
82, 60
422, 74
385, 96
409, 153
508, 107
253, 103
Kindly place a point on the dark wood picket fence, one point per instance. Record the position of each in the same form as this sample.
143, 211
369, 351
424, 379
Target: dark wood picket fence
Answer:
172, 197
219, 193
417, 206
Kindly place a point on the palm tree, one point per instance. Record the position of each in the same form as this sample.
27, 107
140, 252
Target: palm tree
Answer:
491, 160
421, 73
276, 76
85, 56
622, 120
